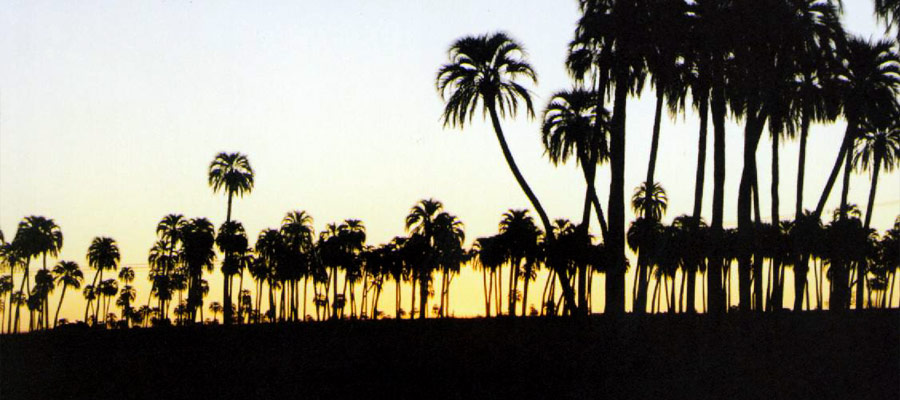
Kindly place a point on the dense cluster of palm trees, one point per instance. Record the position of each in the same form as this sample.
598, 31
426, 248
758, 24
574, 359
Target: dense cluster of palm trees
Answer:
776, 64
773, 65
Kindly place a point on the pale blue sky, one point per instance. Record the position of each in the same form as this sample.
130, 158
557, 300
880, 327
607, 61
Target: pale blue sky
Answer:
110, 113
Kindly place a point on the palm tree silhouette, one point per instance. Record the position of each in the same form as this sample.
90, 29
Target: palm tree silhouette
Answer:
570, 126
215, 308
871, 85
421, 222
619, 26
889, 12
68, 274
877, 148
521, 238
103, 254
297, 231
232, 241
37, 236
484, 69
198, 239
232, 173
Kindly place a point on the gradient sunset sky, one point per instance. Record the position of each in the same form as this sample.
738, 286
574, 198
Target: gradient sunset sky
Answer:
110, 113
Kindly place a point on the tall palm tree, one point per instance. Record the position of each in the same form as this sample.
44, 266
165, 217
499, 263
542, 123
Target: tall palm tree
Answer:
449, 235
521, 237
870, 86
619, 25
484, 69
232, 173
198, 238
232, 241
68, 274
103, 254
877, 148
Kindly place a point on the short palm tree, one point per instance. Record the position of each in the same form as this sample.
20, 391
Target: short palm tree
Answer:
484, 70
103, 254
232, 173
231, 240
68, 274
215, 307
198, 237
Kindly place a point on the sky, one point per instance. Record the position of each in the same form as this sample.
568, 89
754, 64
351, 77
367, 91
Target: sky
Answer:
110, 113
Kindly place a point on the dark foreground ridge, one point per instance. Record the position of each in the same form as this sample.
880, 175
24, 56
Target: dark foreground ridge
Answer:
809, 355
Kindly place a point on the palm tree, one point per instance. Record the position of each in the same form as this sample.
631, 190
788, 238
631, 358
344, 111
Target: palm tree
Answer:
198, 239
877, 148
420, 222
126, 297
574, 124
38, 236
6, 286
871, 85
232, 173
297, 231
888, 11
644, 235
617, 25
215, 308
449, 254
484, 69
270, 248
231, 240
521, 237
103, 254
68, 274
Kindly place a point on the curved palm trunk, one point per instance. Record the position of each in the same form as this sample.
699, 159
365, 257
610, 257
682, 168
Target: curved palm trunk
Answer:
879, 156
615, 276
59, 306
654, 142
548, 228
752, 133
849, 135
716, 292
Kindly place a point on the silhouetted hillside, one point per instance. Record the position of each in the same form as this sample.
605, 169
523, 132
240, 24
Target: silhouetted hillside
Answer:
810, 355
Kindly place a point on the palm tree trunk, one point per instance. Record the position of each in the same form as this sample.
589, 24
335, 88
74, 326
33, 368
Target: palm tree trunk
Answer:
757, 256
412, 304
305, 298
487, 296
548, 228
525, 291
615, 275
716, 292
423, 295
849, 136
752, 133
61, 297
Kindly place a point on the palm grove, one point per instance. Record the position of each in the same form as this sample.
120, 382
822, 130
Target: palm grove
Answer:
777, 67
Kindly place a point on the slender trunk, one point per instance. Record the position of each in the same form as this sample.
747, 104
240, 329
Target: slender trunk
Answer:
58, 307
412, 304
757, 279
487, 296
860, 283
525, 291
615, 276
752, 133
715, 292
548, 228
849, 136
776, 221
871, 203
698, 197
423, 294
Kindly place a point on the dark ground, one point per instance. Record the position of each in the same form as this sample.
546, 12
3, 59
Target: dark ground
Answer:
810, 355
